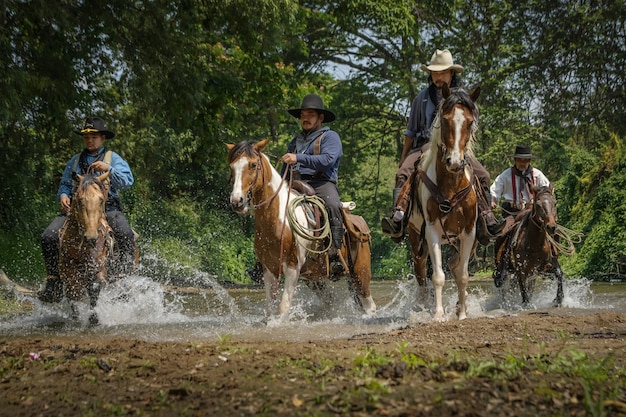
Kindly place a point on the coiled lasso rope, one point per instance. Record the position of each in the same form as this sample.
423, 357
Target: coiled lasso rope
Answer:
569, 236
306, 232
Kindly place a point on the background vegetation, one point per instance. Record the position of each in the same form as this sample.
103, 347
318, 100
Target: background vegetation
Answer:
178, 80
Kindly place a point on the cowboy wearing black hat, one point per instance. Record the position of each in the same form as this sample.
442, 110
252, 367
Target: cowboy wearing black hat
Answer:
514, 184
514, 187
96, 159
314, 155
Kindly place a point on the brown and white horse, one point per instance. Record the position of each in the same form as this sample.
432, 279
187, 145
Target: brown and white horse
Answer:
529, 248
86, 242
278, 248
443, 200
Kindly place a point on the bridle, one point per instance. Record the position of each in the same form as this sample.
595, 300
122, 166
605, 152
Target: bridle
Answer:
259, 171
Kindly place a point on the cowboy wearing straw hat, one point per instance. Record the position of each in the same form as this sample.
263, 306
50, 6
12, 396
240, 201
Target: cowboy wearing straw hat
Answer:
441, 70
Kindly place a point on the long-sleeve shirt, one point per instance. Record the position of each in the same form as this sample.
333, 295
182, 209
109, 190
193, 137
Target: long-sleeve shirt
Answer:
503, 187
326, 162
120, 177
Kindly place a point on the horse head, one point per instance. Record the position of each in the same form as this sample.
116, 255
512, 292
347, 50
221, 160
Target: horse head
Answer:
455, 125
544, 208
245, 164
88, 204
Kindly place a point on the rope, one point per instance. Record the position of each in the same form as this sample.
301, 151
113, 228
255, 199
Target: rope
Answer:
570, 236
305, 232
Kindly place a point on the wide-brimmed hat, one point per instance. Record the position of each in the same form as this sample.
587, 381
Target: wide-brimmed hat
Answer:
442, 61
95, 125
313, 102
523, 152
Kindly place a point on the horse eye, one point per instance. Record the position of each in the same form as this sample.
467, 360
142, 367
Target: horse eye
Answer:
253, 165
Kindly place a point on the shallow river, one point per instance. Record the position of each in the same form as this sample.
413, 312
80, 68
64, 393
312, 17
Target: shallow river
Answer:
139, 307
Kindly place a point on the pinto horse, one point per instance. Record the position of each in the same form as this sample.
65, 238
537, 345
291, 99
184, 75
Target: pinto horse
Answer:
278, 247
529, 248
86, 242
443, 200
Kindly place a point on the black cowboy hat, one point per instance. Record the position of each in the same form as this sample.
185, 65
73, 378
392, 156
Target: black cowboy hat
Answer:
95, 125
313, 102
523, 152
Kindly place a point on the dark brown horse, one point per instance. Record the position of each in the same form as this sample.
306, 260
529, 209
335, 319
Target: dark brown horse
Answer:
282, 228
529, 248
443, 201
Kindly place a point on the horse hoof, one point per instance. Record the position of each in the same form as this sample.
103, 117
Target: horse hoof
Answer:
52, 292
93, 320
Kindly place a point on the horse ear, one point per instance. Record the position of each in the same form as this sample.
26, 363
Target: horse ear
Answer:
259, 146
445, 91
474, 94
104, 176
230, 146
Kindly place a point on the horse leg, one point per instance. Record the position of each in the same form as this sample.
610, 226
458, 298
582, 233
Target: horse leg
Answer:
438, 279
419, 255
291, 279
321, 289
93, 290
459, 268
524, 288
360, 278
558, 301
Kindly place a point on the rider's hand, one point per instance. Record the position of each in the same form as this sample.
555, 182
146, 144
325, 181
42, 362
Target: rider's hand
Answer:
65, 203
100, 166
289, 158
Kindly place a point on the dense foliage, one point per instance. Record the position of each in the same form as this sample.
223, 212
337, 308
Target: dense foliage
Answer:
178, 80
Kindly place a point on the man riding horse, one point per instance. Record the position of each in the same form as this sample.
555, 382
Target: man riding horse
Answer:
441, 70
514, 188
95, 159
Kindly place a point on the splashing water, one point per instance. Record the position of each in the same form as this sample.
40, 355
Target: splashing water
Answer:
178, 303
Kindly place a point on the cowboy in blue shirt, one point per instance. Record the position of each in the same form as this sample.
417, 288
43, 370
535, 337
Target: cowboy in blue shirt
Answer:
94, 158
314, 155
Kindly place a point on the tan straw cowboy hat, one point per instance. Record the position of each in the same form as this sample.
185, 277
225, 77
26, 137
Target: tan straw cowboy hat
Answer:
442, 61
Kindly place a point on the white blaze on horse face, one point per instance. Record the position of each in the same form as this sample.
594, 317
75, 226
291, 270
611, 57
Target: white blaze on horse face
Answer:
455, 158
238, 195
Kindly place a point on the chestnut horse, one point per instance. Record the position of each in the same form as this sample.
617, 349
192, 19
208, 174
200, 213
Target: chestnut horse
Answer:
443, 200
529, 248
87, 250
278, 246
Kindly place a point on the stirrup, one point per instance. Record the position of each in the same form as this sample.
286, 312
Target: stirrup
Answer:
391, 228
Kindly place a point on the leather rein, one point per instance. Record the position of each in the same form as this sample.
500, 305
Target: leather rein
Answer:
445, 205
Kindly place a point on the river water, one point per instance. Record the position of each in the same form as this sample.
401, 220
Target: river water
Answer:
139, 307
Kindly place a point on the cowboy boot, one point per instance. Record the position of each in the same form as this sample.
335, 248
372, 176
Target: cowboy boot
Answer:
336, 266
53, 290
394, 226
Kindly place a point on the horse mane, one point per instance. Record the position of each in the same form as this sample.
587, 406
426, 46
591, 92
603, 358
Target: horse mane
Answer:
457, 96
89, 179
242, 147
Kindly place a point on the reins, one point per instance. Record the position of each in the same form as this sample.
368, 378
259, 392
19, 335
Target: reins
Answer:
445, 205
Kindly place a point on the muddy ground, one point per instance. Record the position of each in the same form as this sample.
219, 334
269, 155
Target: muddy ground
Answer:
539, 363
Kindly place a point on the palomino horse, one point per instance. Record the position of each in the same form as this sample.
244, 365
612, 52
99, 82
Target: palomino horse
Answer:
443, 200
529, 248
86, 243
278, 247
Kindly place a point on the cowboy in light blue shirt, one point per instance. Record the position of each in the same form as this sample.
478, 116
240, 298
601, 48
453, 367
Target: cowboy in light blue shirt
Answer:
93, 159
